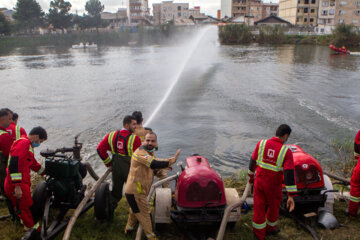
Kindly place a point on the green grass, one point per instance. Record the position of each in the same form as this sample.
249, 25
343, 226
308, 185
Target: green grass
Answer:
87, 227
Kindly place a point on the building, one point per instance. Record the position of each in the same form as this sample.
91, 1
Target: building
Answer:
195, 10
299, 12
117, 19
226, 8
269, 9
348, 12
138, 12
7, 13
326, 16
250, 9
169, 11
272, 21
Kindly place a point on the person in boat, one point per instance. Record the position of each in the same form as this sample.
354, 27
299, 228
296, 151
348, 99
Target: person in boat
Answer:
141, 131
355, 180
122, 144
272, 161
343, 48
141, 176
18, 179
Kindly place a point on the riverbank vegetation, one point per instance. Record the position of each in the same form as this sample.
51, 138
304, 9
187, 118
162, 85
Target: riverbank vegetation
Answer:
343, 35
88, 228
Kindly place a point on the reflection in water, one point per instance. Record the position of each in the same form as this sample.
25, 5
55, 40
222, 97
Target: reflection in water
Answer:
226, 99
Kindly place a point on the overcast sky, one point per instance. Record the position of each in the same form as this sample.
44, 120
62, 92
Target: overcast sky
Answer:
209, 7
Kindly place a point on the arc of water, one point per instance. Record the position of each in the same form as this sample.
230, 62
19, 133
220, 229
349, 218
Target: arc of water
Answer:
177, 75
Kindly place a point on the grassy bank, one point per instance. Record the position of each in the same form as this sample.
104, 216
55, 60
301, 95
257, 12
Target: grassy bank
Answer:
342, 35
88, 228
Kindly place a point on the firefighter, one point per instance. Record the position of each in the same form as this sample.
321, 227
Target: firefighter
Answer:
273, 162
121, 143
15, 130
5, 145
141, 176
355, 180
18, 179
141, 131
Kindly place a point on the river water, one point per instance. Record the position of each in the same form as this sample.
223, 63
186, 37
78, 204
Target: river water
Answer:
223, 99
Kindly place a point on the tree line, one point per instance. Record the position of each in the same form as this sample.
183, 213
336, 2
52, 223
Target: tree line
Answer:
29, 16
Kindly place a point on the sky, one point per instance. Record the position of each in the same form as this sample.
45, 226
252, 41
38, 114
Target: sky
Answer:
209, 7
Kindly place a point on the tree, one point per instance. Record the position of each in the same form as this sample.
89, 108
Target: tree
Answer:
94, 8
59, 15
4, 25
28, 14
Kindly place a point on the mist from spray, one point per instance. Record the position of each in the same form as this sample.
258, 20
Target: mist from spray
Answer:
191, 50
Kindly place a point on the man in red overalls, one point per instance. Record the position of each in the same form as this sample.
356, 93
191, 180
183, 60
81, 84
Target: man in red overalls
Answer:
15, 130
18, 179
5, 145
273, 162
122, 144
355, 180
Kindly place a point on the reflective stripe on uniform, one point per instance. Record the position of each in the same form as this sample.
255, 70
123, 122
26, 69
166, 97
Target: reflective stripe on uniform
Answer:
36, 226
150, 235
41, 170
259, 226
291, 188
31, 149
272, 224
279, 162
356, 154
110, 141
17, 132
138, 188
130, 144
107, 160
354, 199
151, 158
16, 176
128, 227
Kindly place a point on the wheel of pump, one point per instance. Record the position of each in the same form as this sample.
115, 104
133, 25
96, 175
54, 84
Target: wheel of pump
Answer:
82, 170
39, 197
102, 204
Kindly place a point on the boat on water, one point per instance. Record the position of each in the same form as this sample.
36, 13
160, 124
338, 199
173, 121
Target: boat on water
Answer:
82, 46
339, 50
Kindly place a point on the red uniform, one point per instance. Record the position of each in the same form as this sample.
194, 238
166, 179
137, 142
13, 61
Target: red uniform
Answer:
118, 142
5, 145
122, 144
272, 160
355, 180
16, 131
21, 160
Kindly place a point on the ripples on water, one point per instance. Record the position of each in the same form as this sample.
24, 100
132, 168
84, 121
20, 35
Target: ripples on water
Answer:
226, 99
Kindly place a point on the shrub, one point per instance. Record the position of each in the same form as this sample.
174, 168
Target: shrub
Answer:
346, 35
235, 34
268, 34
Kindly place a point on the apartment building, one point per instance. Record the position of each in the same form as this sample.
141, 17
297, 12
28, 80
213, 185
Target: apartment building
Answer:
225, 8
326, 16
348, 12
299, 12
138, 12
269, 9
250, 9
170, 11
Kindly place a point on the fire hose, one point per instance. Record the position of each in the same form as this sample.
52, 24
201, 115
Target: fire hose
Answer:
228, 210
83, 203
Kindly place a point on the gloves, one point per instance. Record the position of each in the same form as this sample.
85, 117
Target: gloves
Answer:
172, 161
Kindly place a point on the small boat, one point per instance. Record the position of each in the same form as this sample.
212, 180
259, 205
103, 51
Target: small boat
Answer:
82, 46
339, 50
